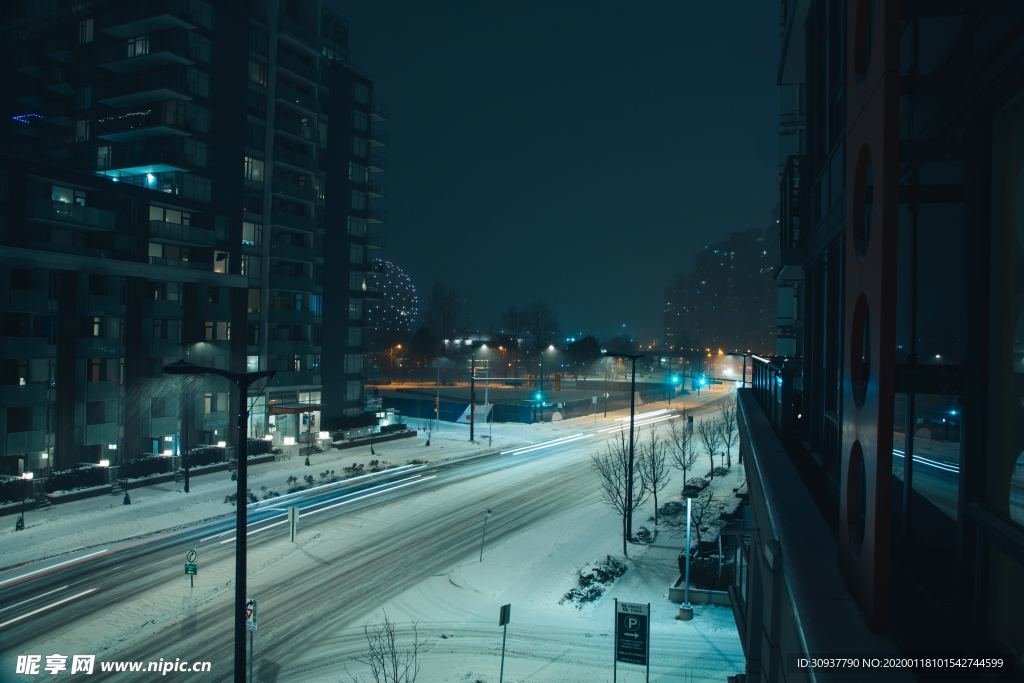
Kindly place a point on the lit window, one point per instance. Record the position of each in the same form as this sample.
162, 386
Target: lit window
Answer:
85, 27
138, 46
252, 169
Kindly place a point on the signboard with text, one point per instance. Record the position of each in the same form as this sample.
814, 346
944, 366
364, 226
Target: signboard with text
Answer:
632, 632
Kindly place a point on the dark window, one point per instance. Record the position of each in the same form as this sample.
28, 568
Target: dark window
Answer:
95, 412
160, 407
21, 278
19, 420
94, 370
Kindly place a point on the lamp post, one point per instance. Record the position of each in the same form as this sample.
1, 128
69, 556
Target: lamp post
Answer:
242, 380
27, 478
632, 416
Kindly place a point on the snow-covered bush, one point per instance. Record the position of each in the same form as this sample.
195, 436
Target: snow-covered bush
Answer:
76, 478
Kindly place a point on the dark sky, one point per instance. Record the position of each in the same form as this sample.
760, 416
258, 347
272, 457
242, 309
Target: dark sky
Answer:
578, 152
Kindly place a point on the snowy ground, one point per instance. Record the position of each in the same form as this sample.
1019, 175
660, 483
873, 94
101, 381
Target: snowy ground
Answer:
417, 558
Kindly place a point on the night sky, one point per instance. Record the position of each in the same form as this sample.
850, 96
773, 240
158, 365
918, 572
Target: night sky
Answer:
579, 152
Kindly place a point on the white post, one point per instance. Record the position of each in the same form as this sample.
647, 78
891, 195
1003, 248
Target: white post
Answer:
686, 585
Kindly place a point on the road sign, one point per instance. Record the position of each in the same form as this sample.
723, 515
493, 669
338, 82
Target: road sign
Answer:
191, 556
191, 568
593, 400
632, 632
505, 615
250, 614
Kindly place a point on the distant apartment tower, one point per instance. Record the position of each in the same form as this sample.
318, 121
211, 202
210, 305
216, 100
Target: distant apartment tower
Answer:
180, 178
728, 299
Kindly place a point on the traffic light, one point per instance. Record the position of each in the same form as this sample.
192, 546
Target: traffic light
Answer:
675, 379
537, 397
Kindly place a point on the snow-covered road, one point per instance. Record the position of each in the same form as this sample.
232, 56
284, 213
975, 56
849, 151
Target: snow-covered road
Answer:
416, 556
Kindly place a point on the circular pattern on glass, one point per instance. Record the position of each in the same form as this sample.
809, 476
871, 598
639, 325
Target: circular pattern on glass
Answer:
863, 202
860, 350
856, 498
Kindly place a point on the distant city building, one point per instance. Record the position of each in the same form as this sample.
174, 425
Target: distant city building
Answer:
392, 315
168, 189
728, 299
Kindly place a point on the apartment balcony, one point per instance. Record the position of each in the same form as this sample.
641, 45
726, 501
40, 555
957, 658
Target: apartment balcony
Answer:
161, 155
294, 190
178, 263
289, 346
175, 233
290, 316
292, 283
292, 252
378, 137
294, 97
98, 347
371, 214
307, 69
155, 119
178, 46
375, 240
65, 214
290, 219
26, 442
127, 20
295, 379
301, 160
296, 129
37, 394
790, 228
299, 35
379, 112
25, 347
153, 85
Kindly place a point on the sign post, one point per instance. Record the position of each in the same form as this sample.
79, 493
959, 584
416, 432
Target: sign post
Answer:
250, 625
632, 635
504, 616
293, 522
191, 567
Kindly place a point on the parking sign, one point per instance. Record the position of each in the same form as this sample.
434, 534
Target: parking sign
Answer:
632, 632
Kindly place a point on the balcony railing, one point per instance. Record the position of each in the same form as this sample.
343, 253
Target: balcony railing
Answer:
159, 83
776, 384
126, 20
300, 160
790, 233
158, 118
297, 129
74, 214
177, 46
175, 233
296, 65
293, 96
150, 156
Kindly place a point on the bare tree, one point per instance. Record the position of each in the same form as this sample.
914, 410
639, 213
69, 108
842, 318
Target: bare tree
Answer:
389, 660
612, 468
727, 427
541, 325
444, 310
710, 439
681, 446
705, 510
654, 466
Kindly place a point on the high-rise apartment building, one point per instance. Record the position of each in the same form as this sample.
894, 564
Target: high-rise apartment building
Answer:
885, 463
179, 178
727, 300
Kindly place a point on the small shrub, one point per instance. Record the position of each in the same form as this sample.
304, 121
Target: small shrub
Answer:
673, 508
590, 584
259, 446
721, 471
644, 536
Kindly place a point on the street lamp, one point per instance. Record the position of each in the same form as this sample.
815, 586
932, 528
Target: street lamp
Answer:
632, 417
242, 380
27, 478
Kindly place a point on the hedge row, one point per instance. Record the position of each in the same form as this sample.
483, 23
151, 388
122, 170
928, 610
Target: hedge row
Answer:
259, 446
205, 455
75, 478
12, 490
143, 467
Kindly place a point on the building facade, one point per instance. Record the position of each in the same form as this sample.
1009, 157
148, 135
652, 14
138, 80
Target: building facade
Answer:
728, 299
884, 461
168, 189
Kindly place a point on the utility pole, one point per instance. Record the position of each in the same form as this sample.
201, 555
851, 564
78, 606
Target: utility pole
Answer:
242, 381
472, 395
